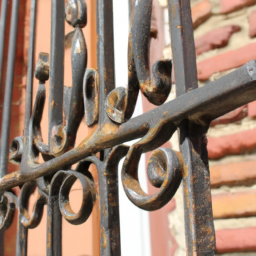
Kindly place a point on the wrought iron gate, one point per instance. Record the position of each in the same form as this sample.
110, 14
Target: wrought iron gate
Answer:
108, 111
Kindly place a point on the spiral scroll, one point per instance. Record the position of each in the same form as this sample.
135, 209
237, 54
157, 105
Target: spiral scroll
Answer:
60, 186
87, 200
8, 205
121, 102
164, 171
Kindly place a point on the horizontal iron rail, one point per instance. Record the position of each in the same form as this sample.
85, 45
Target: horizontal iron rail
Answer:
202, 106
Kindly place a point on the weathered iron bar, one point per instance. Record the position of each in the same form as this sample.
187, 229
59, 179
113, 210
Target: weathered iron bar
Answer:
3, 21
54, 224
30, 72
22, 239
109, 199
54, 219
6, 119
202, 106
108, 184
199, 227
105, 54
22, 231
56, 67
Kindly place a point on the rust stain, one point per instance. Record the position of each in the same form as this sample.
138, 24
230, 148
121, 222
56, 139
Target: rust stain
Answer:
49, 240
109, 128
103, 238
173, 10
113, 203
104, 211
184, 171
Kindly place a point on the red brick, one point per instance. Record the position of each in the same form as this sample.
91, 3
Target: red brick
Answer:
233, 174
234, 205
226, 61
252, 24
236, 240
227, 6
217, 38
201, 12
232, 144
231, 117
252, 109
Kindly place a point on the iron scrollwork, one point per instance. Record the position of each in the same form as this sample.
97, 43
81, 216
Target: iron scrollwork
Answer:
108, 111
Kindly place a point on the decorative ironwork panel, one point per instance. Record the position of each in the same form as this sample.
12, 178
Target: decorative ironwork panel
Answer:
108, 112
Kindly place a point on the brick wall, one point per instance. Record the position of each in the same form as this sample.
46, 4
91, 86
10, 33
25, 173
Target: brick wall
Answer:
225, 38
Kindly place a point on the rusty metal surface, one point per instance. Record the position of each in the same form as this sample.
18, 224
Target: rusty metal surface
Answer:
198, 215
108, 112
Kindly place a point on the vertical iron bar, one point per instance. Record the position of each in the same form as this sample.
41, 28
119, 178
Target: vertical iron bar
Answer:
183, 47
21, 240
30, 73
130, 6
110, 221
110, 224
200, 237
22, 232
5, 132
54, 227
105, 53
54, 218
1, 242
4, 10
56, 65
